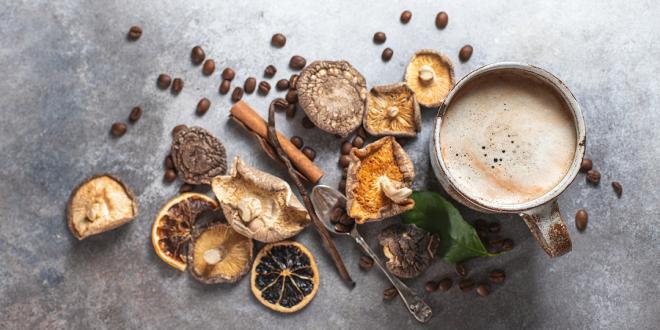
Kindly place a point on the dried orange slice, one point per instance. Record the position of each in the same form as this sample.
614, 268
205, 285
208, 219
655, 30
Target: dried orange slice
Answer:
172, 228
284, 277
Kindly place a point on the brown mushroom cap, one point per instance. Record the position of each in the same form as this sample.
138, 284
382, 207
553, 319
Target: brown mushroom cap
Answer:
198, 155
392, 110
409, 250
100, 203
431, 76
219, 254
333, 95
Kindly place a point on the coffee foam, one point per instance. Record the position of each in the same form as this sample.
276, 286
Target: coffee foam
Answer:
507, 139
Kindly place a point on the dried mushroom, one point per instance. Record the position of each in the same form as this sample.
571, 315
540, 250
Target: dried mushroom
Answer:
99, 204
409, 250
333, 96
431, 76
219, 254
198, 156
379, 180
392, 110
259, 205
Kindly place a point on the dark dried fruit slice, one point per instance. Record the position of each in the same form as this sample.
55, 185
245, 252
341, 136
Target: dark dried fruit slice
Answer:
284, 277
219, 254
198, 156
409, 249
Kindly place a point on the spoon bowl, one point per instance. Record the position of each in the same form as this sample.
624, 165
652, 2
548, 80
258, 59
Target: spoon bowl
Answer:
325, 199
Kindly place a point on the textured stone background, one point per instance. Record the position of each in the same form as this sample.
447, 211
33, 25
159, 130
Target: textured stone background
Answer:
68, 73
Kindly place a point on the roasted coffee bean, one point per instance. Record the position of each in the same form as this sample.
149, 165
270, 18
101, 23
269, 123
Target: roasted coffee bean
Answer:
593, 177
282, 84
270, 71
358, 142
280, 104
186, 188
507, 244
163, 81
250, 85
441, 20
209, 67
581, 219
225, 86
344, 161
481, 224
387, 54
336, 214
342, 228
495, 243
431, 286
586, 165
344, 173
307, 123
445, 284
494, 227
135, 115
366, 263
278, 40
497, 276
203, 106
297, 62
177, 129
168, 163
264, 88
389, 293
346, 148
169, 176
483, 234
292, 96
466, 285
405, 17
228, 74
461, 270
309, 152
197, 55
346, 220
237, 94
177, 86
465, 53
362, 133
291, 111
379, 38
342, 186
134, 33
483, 289
118, 129
293, 80
618, 189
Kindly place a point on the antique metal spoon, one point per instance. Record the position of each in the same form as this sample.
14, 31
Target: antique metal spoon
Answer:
324, 199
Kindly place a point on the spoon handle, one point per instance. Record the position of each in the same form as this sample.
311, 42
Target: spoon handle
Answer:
416, 306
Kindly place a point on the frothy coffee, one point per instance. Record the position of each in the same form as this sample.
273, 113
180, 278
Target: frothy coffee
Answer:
507, 138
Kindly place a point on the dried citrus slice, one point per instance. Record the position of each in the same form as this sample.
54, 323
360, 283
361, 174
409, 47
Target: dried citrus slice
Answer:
284, 277
170, 233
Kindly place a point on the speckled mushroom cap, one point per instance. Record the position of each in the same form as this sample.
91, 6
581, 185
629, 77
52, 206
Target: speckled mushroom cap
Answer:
392, 110
409, 249
431, 76
333, 96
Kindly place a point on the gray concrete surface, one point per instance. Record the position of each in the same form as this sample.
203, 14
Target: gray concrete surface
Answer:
68, 73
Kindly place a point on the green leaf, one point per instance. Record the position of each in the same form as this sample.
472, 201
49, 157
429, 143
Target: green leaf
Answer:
433, 213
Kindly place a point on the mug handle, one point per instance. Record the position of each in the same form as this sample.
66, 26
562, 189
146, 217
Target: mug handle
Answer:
548, 228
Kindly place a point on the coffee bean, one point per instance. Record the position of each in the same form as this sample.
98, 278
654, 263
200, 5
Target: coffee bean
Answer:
389, 293
278, 40
177, 86
342, 186
494, 227
461, 270
445, 284
280, 104
292, 96
203, 106
297, 62
250, 85
169, 163
507, 244
135, 115
346, 220
586, 165
282, 84
297, 141
307, 123
431, 286
291, 111
134, 33
581, 219
379, 38
270, 71
118, 129
342, 228
495, 243
209, 67
387, 54
483, 290
309, 152
466, 285
228, 74
344, 173
225, 86
366, 263
593, 177
465, 53
169, 176
358, 142
481, 224
405, 17
264, 88
237, 94
177, 129
618, 189
362, 133
186, 188
163, 81
293, 80
197, 55
344, 161
336, 214
346, 148
441, 20
497, 276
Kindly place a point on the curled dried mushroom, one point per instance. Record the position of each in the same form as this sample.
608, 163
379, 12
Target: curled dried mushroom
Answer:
431, 76
409, 250
379, 180
219, 254
100, 203
259, 205
392, 110
333, 95
198, 156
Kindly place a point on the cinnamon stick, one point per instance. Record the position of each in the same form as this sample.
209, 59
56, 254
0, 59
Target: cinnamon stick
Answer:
242, 112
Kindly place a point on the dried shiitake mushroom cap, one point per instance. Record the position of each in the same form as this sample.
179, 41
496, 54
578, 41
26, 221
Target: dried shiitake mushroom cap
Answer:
431, 76
333, 95
259, 205
100, 203
392, 110
198, 156
219, 254
409, 250
379, 180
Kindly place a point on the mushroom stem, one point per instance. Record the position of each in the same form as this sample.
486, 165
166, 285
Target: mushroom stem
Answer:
211, 258
426, 74
392, 112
